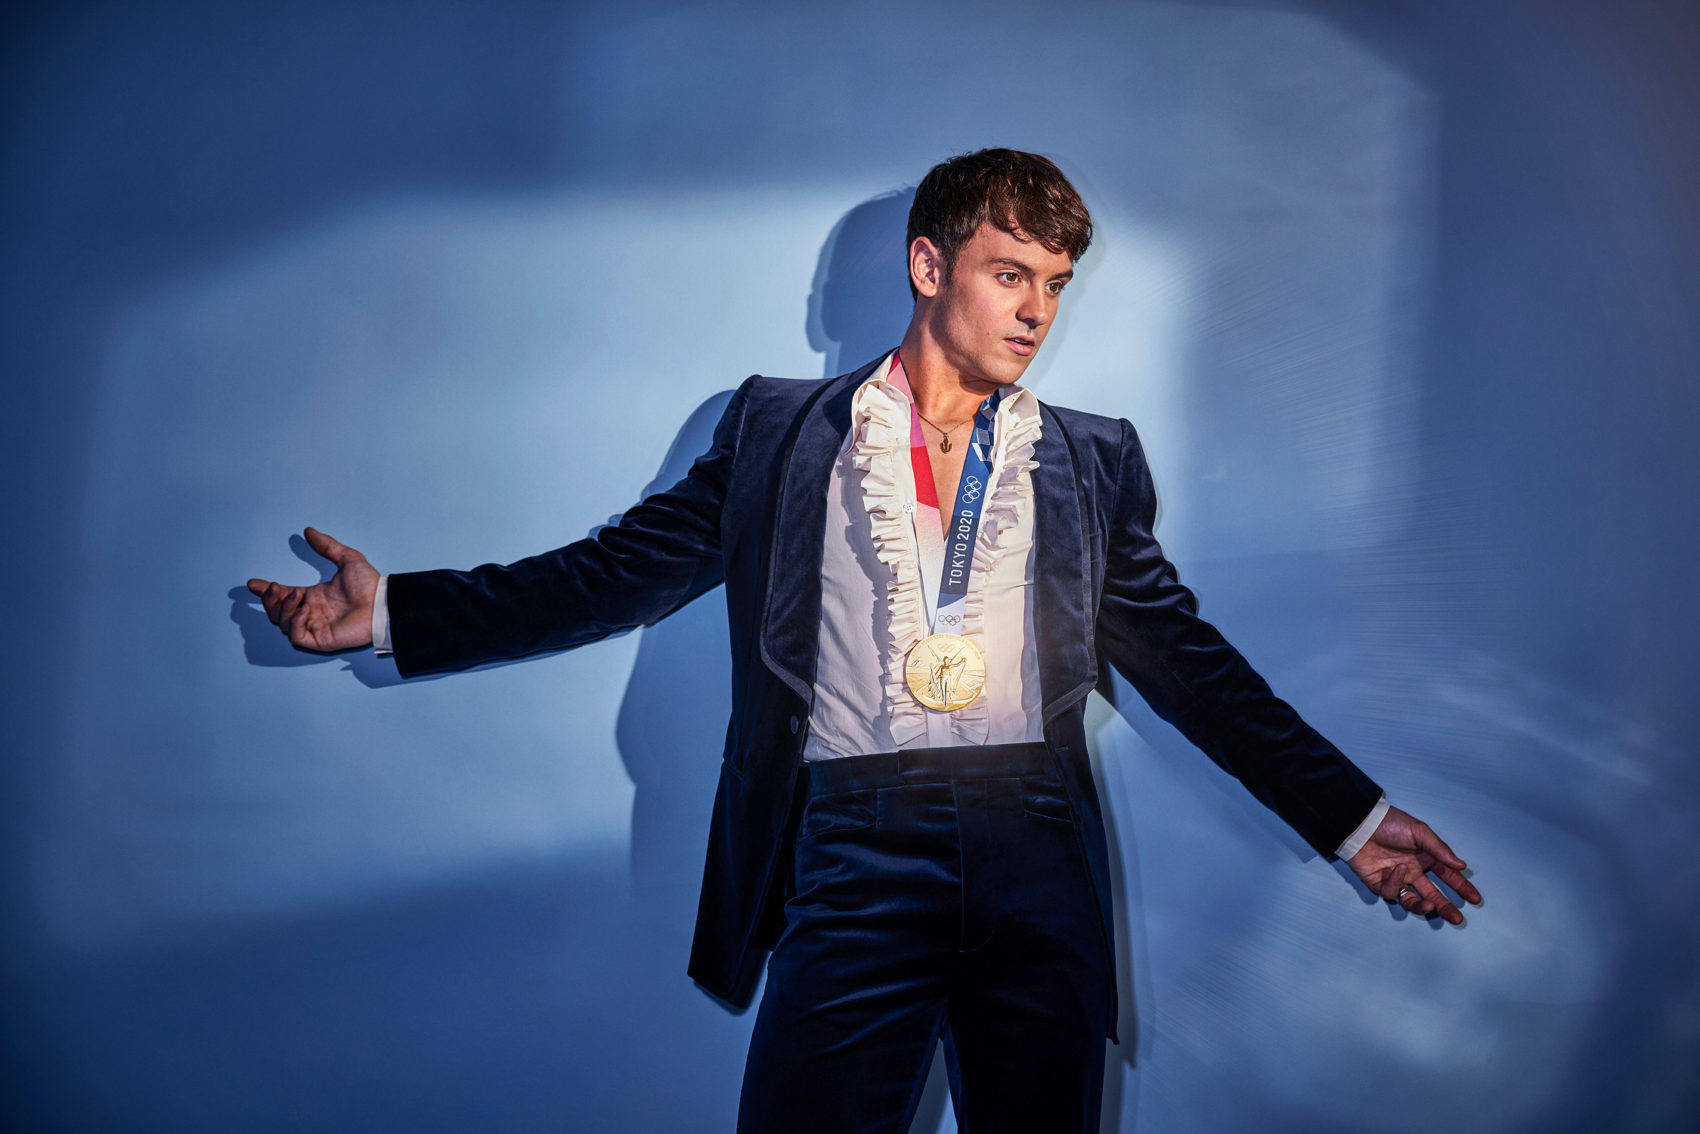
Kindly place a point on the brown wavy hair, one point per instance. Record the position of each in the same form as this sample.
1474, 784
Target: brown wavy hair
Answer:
1008, 189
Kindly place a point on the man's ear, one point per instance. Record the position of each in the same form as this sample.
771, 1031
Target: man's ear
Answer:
926, 267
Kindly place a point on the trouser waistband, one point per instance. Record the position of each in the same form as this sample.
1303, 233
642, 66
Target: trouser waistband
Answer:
930, 765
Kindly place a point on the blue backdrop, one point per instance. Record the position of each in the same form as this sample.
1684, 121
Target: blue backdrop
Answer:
1401, 296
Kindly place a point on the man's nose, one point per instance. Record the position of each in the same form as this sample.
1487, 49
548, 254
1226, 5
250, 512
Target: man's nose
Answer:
1035, 310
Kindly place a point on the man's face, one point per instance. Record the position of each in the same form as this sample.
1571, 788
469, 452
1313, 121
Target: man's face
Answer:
993, 308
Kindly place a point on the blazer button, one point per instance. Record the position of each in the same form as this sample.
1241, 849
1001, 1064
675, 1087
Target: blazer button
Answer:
793, 726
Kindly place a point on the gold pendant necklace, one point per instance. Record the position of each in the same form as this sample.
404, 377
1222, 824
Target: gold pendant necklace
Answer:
944, 434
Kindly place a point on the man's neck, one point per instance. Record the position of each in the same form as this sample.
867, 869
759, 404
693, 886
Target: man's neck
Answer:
944, 394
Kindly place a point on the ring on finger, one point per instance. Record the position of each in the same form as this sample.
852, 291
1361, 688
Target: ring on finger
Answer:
1403, 890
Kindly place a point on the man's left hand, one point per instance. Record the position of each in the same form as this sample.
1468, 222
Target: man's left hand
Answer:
1398, 859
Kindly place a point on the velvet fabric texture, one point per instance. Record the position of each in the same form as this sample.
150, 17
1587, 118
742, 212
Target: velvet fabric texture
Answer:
939, 893
751, 513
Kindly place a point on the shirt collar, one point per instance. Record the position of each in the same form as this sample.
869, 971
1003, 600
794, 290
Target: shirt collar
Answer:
1018, 403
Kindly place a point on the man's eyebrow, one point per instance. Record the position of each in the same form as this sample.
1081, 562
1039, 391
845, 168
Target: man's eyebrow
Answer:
1028, 268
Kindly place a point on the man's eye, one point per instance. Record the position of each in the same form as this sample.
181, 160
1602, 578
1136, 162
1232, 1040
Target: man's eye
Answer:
1009, 277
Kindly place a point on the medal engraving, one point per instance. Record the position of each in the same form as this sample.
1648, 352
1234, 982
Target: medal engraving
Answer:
946, 672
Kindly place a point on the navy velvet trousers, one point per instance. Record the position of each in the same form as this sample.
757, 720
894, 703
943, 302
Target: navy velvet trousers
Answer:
940, 894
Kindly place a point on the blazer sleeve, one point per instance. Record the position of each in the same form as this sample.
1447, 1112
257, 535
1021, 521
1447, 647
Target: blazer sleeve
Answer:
662, 553
1148, 628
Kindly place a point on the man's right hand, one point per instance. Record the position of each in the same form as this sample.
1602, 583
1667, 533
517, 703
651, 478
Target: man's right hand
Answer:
333, 615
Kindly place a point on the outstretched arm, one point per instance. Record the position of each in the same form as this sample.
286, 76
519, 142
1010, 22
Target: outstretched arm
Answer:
1399, 857
661, 554
333, 615
1149, 629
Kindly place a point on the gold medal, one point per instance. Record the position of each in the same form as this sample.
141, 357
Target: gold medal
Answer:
946, 672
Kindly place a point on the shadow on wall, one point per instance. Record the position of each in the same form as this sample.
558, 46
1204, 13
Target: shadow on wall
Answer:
859, 303
670, 724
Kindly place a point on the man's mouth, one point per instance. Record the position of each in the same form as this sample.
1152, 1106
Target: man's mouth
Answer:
1020, 343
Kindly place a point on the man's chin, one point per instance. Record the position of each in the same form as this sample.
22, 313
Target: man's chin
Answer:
1012, 373
996, 371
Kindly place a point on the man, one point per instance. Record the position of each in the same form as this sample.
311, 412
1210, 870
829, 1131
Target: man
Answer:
925, 570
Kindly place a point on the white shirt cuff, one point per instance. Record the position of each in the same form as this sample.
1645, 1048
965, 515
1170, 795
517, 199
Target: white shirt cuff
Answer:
1356, 840
381, 617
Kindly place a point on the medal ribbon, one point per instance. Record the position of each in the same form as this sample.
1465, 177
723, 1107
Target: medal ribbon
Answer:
971, 493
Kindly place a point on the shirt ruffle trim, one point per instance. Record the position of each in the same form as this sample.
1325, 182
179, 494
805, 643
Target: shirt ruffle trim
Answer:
880, 453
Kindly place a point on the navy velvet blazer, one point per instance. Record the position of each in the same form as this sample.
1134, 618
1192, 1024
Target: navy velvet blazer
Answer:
751, 514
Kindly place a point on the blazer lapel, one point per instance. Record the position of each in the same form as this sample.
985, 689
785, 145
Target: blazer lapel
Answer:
1063, 612
790, 629
1063, 608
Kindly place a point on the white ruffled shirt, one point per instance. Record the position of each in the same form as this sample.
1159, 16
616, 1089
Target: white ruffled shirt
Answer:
879, 588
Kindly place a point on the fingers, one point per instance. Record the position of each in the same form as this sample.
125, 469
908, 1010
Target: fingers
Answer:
1427, 900
331, 615
283, 604
1396, 862
1430, 843
337, 553
1460, 885
1435, 855
294, 616
288, 610
1409, 888
271, 595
